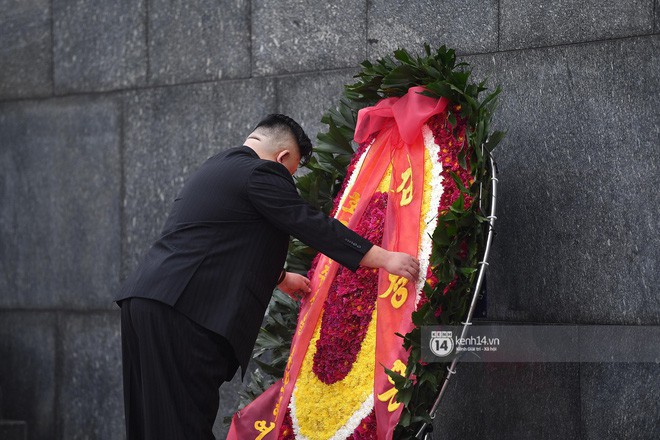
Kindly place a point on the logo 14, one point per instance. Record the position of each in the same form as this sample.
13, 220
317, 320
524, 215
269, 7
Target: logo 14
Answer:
441, 343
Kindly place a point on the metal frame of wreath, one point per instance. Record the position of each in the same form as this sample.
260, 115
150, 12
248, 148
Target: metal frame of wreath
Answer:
426, 429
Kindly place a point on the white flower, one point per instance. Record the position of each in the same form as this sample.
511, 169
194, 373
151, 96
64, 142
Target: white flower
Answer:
351, 425
345, 431
353, 177
431, 219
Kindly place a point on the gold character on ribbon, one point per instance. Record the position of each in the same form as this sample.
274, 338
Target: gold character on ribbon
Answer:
389, 395
353, 200
302, 323
324, 273
260, 425
397, 289
406, 186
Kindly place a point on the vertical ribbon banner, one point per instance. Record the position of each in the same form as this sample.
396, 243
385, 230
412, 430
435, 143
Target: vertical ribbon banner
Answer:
405, 116
397, 151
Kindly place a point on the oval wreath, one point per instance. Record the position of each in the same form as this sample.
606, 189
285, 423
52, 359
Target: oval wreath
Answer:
458, 147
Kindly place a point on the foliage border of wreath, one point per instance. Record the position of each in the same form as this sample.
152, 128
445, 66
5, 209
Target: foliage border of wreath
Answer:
387, 77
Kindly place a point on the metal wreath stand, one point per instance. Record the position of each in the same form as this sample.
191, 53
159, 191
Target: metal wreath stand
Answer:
424, 432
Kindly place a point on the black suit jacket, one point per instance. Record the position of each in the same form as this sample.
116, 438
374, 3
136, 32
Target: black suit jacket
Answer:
225, 241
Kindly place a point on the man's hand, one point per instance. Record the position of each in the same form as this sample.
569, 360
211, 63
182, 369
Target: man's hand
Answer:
399, 263
295, 285
396, 263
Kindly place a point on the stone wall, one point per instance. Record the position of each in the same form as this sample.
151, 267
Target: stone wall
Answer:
106, 107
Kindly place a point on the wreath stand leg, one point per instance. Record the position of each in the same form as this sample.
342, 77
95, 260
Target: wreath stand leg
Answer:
424, 432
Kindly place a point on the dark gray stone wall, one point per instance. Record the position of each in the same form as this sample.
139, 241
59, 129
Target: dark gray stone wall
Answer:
168, 131
105, 108
543, 23
89, 400
60, 214
580, 168
467, 26
197, 41
306, 36
28, 371
25, 48
98, 45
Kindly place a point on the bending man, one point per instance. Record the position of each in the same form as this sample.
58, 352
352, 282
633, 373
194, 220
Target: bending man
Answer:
191, 311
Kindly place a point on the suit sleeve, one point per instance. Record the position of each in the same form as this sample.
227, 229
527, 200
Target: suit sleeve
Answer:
272, 192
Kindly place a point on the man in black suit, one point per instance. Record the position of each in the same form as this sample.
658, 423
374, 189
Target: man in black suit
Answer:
191, 311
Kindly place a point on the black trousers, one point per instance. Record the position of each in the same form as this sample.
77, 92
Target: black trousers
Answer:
172, 370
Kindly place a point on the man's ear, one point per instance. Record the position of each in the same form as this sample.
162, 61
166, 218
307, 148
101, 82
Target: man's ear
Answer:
282, 155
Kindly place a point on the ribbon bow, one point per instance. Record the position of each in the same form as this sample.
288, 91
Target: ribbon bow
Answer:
405, 115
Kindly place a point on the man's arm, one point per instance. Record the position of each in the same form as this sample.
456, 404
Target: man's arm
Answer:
273, 193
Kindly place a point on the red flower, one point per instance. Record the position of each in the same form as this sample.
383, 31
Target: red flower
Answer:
451, 141
463, 251
312, 268
366, 430
449, 287
423, 299
286, 430
431, 279
350, 304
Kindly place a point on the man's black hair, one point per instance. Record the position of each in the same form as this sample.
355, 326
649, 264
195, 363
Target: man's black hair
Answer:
277, 120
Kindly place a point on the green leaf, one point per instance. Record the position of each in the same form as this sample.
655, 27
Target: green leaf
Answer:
489, 98
467, 270
333, 141
451, 118
494, 139
404, 395
404, 420
403, 56
268, 369
440, 88
398, 379
399, 80
461, 159
459, 183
